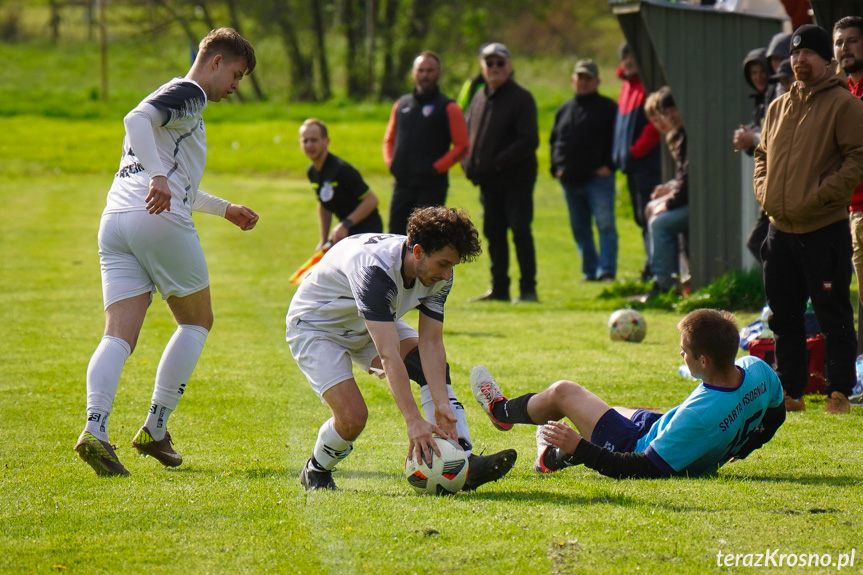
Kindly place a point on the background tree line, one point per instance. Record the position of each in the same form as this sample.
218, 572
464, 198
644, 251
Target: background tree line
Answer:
361, 48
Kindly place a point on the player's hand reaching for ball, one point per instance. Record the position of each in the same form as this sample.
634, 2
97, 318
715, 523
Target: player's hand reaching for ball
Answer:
159, 198
446, 422
241, 216
421, 440
561, 435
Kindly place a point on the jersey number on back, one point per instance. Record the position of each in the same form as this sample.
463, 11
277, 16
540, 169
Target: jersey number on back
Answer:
743, 435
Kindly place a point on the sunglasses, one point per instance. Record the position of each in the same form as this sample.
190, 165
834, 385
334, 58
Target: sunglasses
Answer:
495, 63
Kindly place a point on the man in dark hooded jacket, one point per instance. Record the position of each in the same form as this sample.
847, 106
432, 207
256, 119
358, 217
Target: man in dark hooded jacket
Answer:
756, 71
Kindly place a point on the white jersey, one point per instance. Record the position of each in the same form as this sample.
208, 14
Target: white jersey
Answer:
182, 147
360, 279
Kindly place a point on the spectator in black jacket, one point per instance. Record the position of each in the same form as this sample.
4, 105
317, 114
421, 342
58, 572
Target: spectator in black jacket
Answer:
581, 142
504, 135
756, 71
425, 137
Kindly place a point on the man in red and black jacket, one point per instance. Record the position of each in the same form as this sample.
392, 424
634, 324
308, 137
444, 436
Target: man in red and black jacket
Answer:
848, 51
636, 150
425, 137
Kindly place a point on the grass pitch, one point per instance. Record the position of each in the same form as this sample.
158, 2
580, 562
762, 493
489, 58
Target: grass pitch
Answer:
248, 419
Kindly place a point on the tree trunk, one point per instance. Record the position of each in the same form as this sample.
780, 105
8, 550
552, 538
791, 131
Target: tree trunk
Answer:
390, 84
235, 24
415, 36
357, 82
321, 56
302, 71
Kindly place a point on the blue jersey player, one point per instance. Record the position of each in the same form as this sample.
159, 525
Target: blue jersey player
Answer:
736, 408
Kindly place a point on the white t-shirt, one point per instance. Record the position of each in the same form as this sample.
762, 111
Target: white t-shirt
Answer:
181, 144
360, 279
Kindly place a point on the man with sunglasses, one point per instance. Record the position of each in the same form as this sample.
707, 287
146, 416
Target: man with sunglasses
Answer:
504, 135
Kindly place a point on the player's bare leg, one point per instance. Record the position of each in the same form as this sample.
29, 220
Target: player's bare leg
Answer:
568, 399
337, 435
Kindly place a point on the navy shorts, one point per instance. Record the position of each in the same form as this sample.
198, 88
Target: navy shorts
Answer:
616, 433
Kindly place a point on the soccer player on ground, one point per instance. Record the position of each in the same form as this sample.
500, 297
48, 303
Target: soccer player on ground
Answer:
147, 241
736, 409
349, 309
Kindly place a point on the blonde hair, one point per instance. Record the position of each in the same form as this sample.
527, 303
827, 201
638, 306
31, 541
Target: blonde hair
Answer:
229, 43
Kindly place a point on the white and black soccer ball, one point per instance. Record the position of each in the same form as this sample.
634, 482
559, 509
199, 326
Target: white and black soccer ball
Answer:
627, 325
444, 476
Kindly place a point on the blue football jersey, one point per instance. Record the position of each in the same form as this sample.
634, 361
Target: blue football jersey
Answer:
712, 424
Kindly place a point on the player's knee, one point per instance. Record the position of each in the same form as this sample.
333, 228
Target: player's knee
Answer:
351, 425
206, 320
564, 388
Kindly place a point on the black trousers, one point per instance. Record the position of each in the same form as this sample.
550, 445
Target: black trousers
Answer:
407, 198
509, 207
815, 266
757, 235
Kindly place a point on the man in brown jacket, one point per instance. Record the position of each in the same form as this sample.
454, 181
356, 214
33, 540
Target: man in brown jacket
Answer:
806, 166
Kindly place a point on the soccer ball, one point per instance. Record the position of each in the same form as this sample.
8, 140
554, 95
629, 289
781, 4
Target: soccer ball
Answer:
446, 474
627, 325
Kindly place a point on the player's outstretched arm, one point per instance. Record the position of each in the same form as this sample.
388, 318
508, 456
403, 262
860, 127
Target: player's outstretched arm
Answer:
608, 463
241, 216
433, 357
420, 432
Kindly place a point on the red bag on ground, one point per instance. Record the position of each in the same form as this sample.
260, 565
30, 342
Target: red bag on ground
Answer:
765, 349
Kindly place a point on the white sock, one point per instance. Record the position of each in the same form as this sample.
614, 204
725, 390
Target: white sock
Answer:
175, 368
457, 410
103, 375
157, 421
330, 448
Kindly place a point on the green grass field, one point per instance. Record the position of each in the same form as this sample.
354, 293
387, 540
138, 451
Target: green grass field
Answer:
248, 419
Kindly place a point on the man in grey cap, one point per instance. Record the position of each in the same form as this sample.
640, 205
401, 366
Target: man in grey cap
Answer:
806, 166
504, 135
581, 145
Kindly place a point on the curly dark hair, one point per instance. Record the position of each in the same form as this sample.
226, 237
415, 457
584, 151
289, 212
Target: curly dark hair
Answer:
713, 333
437, 227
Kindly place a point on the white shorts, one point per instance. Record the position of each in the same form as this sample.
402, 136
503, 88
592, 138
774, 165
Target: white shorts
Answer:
325, 358
140, 252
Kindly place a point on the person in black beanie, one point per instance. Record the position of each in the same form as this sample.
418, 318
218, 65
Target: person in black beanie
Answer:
806, 166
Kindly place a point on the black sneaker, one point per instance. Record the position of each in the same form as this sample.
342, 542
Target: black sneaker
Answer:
313, 480
486, 468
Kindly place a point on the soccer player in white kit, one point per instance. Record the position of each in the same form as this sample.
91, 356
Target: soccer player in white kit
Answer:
147, 241
349, 309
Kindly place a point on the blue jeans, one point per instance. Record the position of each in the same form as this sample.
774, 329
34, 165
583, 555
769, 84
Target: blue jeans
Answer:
641, 184
664, 256
594, 200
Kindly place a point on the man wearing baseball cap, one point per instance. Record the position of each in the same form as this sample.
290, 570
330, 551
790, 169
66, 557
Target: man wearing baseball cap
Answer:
504, 134
581, 142
806, 166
